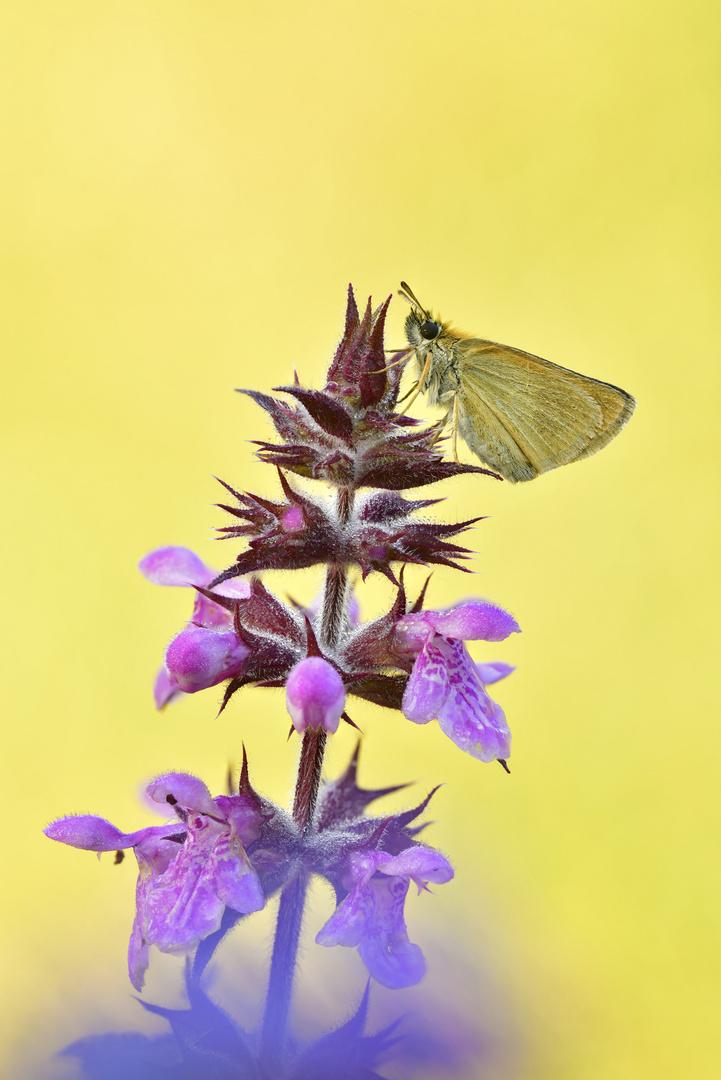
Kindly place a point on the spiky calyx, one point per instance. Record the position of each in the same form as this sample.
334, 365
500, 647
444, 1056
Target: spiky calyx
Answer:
350, 433
299, 532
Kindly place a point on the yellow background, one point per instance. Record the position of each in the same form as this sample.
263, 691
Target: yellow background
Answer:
187, 189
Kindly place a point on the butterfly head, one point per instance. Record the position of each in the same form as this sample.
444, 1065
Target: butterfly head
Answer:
421, 326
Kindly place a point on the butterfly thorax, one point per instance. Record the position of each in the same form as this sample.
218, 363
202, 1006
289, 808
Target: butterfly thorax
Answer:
441, 384
441, 381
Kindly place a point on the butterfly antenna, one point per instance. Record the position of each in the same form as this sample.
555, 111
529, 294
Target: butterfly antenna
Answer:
407, 293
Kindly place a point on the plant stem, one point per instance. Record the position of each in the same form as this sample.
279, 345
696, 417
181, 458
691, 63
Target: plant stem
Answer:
282, 971
336, 584
310, 769
307, 783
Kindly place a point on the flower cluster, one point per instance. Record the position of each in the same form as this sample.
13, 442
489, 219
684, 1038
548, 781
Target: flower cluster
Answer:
257, 638
220, 858
235, 851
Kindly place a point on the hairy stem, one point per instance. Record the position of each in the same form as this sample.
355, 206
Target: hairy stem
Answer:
310, 769
282, 971
308, 780
336, 584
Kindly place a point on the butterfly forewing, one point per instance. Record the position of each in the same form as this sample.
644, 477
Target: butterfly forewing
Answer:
523, 415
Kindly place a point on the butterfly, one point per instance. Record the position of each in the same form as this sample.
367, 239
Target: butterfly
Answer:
520, 414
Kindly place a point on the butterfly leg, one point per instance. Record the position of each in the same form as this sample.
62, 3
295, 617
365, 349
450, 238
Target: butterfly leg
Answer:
405, 396
419, 387
455, 429
439, 433
395, 363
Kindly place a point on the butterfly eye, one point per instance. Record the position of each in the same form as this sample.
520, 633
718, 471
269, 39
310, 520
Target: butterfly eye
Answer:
430, 330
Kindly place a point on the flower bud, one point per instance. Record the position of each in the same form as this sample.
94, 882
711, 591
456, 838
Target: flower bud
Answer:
314, 695
199, 657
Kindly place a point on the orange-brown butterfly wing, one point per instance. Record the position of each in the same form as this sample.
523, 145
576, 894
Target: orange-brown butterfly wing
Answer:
523, 415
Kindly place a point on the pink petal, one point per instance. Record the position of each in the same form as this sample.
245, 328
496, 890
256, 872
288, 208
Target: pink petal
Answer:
362, 865
138, 958
385, 949
156, 850
412, 631
315, 695
468, 715
236, 882
474, 620
235, 588
91, 833
421, 864
175, 566
198, 658
184, 789
165, 688
243, 812
427, 687
87, 832
349, 921
207, 612
353, 612
493, 672
183, 907
397, 965
211, 615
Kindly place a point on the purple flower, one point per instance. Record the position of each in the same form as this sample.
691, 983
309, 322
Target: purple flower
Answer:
314, 695
189, 870
207, 651
198, 657
446, 685
371, 916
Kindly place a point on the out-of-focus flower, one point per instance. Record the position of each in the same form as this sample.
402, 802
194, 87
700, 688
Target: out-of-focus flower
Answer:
371, 916
314, 695
205, 1043
207, 651
446, 685
189, 870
